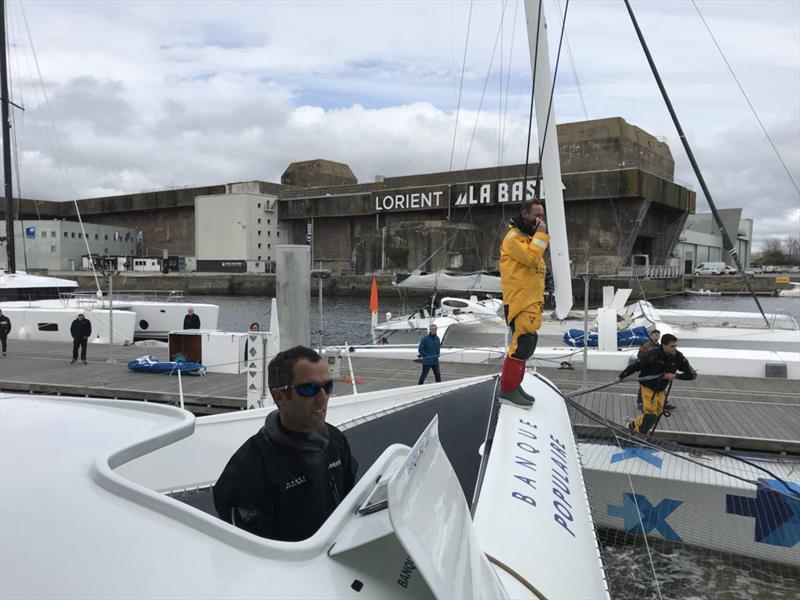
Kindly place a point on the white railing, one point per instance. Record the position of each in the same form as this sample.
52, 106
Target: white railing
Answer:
650, 271
89, 298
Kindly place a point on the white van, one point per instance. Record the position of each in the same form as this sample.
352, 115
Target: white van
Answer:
710, 268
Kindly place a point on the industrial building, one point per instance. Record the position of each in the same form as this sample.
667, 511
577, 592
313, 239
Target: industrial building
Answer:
59, 245
701, 241
621, 201
237, 231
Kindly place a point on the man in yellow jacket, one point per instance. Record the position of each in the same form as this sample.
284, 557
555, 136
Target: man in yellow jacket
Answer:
522, 273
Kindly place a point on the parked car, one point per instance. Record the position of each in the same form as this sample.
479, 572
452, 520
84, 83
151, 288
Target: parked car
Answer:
729, 270
710, 268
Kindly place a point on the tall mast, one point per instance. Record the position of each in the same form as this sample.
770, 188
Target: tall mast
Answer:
727, 244
550, 161
6, 142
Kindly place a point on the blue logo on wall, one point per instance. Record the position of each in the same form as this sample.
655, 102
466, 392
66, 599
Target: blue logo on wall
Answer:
648, 455
776, 513
647, 517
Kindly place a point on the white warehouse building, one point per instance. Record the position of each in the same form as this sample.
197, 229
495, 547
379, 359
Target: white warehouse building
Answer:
237, 231
701, 241
58, 245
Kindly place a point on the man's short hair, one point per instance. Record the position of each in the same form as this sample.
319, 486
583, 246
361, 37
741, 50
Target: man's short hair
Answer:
668, 338
281, 367
526, 206
656, 331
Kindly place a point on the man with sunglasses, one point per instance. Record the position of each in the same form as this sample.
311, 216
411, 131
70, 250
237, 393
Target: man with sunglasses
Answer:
286, 480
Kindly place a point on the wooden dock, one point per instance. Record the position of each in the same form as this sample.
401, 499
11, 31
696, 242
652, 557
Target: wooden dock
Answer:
741, 413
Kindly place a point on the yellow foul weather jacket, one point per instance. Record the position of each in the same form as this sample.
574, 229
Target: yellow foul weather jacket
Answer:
522, 270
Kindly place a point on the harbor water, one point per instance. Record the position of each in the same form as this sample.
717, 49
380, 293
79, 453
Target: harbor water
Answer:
346, 319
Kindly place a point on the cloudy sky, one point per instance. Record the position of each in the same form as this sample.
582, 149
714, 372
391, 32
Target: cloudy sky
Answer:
147, 95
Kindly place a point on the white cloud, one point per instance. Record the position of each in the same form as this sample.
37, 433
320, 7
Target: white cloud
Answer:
152, 94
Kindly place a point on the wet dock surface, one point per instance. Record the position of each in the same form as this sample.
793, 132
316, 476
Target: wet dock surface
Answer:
754, 414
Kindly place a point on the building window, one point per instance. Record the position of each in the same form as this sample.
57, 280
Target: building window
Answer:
106, 250
269, 221
73, 234
97, 236
52, 234
44, 234
259, 205
259, 245
269, 245
259, 232
66, 234
269, 258
278, 233
259, 258
106, 237
52, 248
259, 221
80, 236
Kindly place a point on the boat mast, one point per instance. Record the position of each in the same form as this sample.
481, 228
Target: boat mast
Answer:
550, 166
726, 239
6, 142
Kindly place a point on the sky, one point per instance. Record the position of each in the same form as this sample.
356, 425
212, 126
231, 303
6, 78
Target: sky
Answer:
122, 97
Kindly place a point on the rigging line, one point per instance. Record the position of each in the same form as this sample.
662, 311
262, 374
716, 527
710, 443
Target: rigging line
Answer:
550, 101
727, 243
508, 85
14, 150
533, 85
500, 98
485, 85
64, 172
618, 430
750, 104
574, 70
461, 87
641, 523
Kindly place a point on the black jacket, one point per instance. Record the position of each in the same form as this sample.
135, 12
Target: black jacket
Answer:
658, 362
5, 325
191, 322
80, 329
283, 485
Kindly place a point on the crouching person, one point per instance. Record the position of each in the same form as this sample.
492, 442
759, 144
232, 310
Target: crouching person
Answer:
664, 361
286, 480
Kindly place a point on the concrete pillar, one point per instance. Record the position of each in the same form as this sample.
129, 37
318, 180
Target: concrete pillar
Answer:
293, 291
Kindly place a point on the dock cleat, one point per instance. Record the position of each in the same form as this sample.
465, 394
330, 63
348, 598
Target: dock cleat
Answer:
517, 397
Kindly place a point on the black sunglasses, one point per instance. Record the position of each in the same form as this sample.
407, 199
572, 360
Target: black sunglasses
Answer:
311, 388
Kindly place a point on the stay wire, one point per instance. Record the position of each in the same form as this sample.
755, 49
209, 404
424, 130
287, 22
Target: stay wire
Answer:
747, 99
550, 102
533, 86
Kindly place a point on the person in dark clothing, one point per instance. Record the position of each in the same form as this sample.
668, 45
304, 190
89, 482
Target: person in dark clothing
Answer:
644, 349
428, 350
649, 345
667, 362
191, 320
286, 480
5, 329
80, 330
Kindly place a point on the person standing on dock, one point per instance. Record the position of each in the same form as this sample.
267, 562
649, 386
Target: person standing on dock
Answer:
522, 277
658, 368
286, 480
5, 329
191, 320
649, 345
429, 349
80, 330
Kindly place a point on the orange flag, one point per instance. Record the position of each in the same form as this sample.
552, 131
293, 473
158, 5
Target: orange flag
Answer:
373, 296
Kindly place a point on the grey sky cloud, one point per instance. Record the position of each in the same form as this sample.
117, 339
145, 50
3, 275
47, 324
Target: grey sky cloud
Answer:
152, 94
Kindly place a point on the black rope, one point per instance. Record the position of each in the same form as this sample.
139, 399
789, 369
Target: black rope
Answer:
533, 85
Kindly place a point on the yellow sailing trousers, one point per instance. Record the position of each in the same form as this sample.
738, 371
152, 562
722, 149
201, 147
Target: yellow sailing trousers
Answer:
524, 325
652, 407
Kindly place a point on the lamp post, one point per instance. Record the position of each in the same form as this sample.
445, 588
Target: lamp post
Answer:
587, 277
320, 274
110, 275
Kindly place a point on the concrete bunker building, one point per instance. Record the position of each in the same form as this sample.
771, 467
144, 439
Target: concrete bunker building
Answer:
621, 201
